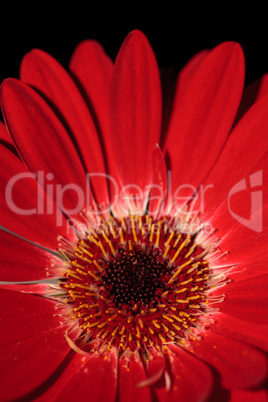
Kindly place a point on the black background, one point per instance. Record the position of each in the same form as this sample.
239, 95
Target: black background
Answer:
175, 34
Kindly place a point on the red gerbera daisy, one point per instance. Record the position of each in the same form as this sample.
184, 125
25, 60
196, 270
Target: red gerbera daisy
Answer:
124, 206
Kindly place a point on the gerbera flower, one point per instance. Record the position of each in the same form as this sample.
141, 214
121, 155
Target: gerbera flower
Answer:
126, 191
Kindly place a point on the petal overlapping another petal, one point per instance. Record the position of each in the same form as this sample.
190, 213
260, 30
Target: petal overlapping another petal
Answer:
135, 110
202, 118
21, 261
32, 343
36, 131
97, 377
48, 77
26, 209
240, 365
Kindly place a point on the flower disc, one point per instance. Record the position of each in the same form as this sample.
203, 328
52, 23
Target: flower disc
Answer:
137, 283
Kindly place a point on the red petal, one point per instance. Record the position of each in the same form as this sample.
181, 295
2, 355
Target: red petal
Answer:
20, 260
32, 343
92, 68
32, 288
249, 396
158, 188
93, 377
241, 330
203, 116
43, 72
191, 378
242, 245
131, 373
4, 135
246, 299
240, 365
156, 367
135, 110
173, 85
90, 60
237, 161
43, 143
25, 208
251, 94
187, 73
250, 268
5, 138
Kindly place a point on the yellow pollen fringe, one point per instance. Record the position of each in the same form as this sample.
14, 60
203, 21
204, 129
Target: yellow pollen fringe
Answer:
97, 265
165, 327
93, 275
86, 251
166, 251
170, 238
112, 248
70, 273
176, 327
152, 233
134, 234
181, 290
122, 240
157, 237
167, 318
102, 248
103, 325
112, 230
177, 241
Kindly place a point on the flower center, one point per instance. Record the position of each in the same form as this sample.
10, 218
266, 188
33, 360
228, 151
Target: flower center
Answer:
137, 283
135, 276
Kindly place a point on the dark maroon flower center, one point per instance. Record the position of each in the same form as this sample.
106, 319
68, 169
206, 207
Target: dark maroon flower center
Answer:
136, 277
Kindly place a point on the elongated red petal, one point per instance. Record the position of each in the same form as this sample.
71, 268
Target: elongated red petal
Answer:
158, 188
5, 138
251, 268
236, 204
43, 72
240, 365
32, 343
227, 172
242, 329
135, 110
4, 135
95, 375
203, 116
247, 300
131, 373
249, 396
32, 288
187, 73
191, 378
156, 368
39, 136
20, 260
24, 206
251, 94
173, 86
242, 244
92, 69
